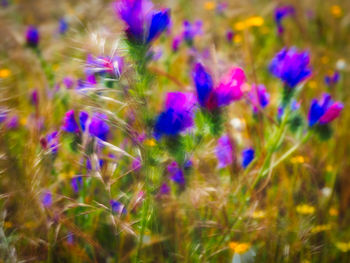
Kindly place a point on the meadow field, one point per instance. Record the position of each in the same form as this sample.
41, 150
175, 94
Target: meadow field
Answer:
175, 131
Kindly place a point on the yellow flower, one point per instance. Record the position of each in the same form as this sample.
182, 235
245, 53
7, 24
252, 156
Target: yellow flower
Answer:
298, 159
258, 214
254, 21
320, 228
329, 168
239, 248
343, 246
313, 84
209, 5
150, 142
325, 60
239, 26
305, 209
5, 73
23, 121
333, 211
336, 11
249, 22
237, 39
7, 224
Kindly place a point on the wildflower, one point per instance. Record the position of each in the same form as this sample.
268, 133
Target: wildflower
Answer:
69, 122
34, 97
224, 151
209, 5
176, 174
229, 88
189, 32
258, 214
46, 199
70, 238
117, 207
247, 157
305, 209
281, 13
144, 24
52, 141
136, 164
5, 73
229, 35
258, 97
12, 122
32, 36
77, 183
320, 228
98, 126
164, 189
333, 211
332, 79
343, 246
62, 26
177, 116
324, 111
336, 11
254, 21
68, 82
291, 66
239, 248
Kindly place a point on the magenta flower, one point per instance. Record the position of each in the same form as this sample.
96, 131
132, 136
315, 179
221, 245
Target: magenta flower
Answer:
324, 111
224, 151
228, 89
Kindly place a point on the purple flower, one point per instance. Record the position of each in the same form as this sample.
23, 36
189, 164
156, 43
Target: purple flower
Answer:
229, 88
176, 174
77, 183
3, 115
144, 24
69, 122
32, 36
332, 79
117, 207
98, 126
189, 32
68, 82
12, 122
280, 13
291, 66
247, 157
324, 110
136, 164
46, 199
229, 35
177, 116
62, 26
259, 97
34, 97
224, 151
164, 189
52, 141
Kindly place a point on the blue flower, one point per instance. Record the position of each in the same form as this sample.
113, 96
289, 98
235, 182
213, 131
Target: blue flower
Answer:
324, 111
177, 116
247, 157
176, 173
224, 151
46, 199
144, 24
117, 207
291, 66
32, 36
